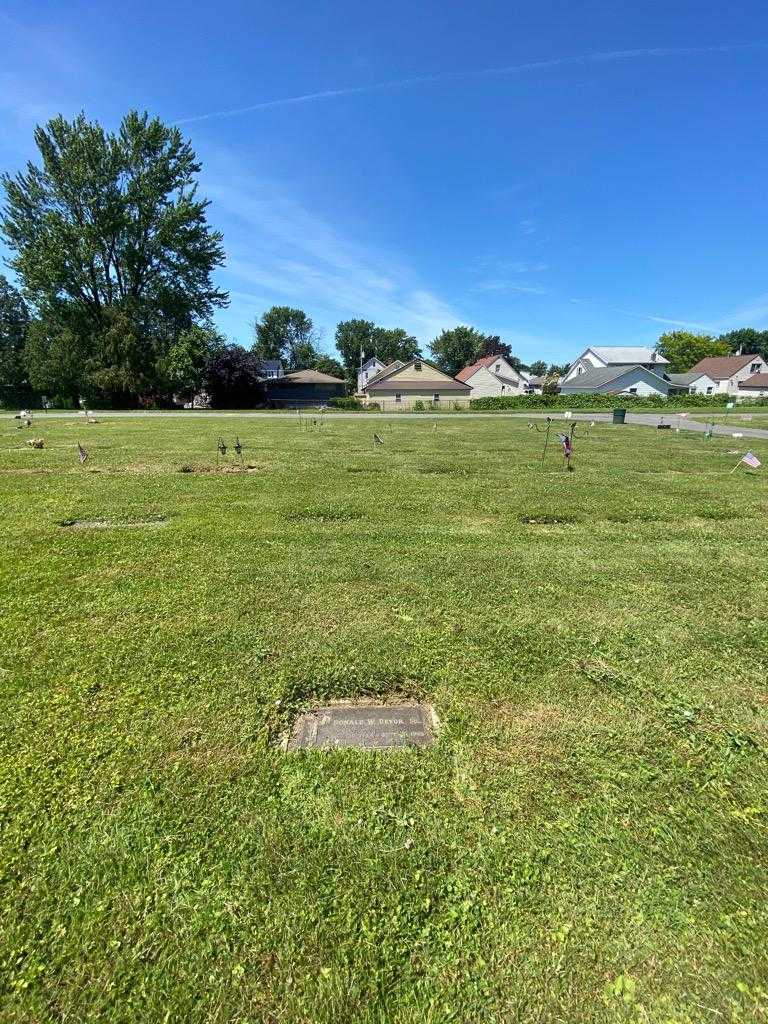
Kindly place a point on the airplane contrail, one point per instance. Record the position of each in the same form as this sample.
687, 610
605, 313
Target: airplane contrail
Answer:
612, 56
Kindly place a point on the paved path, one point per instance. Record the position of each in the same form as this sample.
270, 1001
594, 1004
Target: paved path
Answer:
644, 419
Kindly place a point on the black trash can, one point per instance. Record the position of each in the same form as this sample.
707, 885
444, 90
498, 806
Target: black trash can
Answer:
619, 415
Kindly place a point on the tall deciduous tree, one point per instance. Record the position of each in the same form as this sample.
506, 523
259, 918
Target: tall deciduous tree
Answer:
494, 346
746, 340
457, 348
538, 368
287, 334
232, 377
14, 326
111, 243
684, 349
356, 337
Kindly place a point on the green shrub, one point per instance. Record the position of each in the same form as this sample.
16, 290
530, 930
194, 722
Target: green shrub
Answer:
418, 406
349, 403
631, 402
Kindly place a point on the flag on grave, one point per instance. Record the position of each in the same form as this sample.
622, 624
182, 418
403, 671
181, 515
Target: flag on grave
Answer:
751, 460
82, 454
377, 439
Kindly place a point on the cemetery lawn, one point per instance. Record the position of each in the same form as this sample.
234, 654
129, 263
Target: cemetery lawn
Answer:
586, 842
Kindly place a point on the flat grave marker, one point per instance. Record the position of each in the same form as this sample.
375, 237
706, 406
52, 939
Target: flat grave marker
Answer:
363, 726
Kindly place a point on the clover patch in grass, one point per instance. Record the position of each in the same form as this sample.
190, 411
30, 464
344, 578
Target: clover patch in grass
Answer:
324, 514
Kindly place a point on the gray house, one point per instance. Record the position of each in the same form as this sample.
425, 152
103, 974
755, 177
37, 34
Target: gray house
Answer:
616, 380
305, 388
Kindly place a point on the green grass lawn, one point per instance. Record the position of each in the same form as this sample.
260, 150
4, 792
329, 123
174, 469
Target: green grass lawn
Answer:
586, 841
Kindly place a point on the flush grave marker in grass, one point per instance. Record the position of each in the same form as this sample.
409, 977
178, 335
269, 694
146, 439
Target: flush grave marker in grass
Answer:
365, 726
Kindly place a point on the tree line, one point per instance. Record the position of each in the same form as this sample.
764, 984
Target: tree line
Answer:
114, 257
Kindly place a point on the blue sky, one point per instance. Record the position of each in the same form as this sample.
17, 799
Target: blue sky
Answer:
558, 173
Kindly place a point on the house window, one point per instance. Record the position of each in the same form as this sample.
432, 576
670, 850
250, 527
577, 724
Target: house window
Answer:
580, 370
417, 364
398, 397
754, 368
436, 397
498, 368
632, 391
710, 390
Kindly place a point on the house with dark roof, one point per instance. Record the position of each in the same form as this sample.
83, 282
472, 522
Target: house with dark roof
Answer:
729, 372
492, 376
401, 385
616, 380
754, 387
304, 388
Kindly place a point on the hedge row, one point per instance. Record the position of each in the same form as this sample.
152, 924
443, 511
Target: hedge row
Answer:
608, 402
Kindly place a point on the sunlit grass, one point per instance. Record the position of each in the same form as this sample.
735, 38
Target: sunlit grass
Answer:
586, 840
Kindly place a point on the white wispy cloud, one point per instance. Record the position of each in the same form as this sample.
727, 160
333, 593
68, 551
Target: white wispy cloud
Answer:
609, 57
282, 252
500, 284
752, 314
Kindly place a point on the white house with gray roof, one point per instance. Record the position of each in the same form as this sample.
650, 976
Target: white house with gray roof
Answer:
616, 380
602, 357
692, 383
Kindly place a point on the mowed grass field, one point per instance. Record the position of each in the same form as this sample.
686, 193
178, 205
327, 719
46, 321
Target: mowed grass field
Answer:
586, 841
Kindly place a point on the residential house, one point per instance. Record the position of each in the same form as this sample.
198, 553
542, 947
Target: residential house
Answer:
729, 372
616, 380
303, 388
401, 386
492, 376
754, 387
604, 356
371, 368
692, 383
535, 385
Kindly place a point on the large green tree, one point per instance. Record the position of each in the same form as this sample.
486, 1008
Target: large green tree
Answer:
287, 334
747, 340
684, 349
362, 337
186, 363
112, 245
14, 327
538, 368
458, 347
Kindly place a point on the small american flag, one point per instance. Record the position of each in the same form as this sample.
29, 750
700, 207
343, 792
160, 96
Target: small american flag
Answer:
377, 439
82, 454
751, 460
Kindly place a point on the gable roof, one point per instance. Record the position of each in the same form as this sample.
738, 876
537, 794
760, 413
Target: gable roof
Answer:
394, 365
621, 355
757, 380
686, 378
723, 367
387, 379
486, 361
605, 374
309, 377
370, 360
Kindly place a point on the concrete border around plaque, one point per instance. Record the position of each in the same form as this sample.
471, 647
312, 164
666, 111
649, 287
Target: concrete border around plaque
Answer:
363, 725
